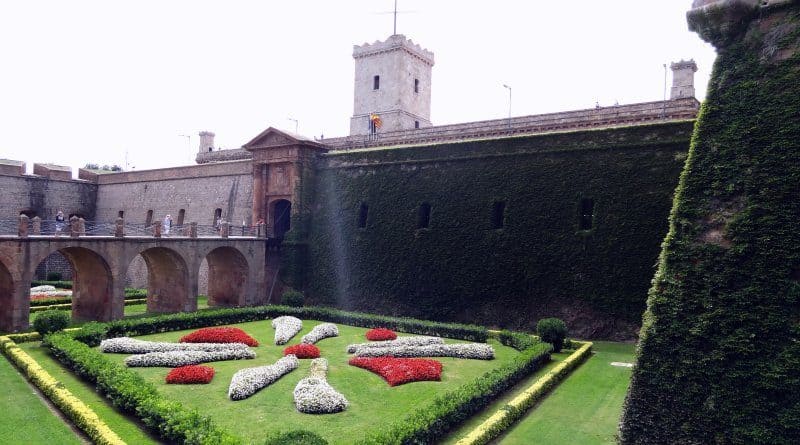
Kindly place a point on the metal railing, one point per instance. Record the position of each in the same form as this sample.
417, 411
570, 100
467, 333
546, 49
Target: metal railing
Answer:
13, 227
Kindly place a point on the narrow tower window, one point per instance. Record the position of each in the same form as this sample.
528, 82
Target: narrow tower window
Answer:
498, 214
424, 219
149, 219
416, 124
121, 214
376, 82
363, 211
181, 215
586, 214
217, 217
416, 85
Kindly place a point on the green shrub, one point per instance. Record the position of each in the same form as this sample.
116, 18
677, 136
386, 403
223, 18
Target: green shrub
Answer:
57, 284
553, 331
517, 340
297, 437
51, 321
293, 298
53, 276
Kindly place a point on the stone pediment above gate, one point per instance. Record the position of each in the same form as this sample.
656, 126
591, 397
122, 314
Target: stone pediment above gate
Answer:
273, 145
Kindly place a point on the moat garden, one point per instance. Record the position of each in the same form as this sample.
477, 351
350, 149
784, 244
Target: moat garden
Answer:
319, 375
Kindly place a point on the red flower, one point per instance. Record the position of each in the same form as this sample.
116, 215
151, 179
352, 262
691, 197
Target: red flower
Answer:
219, 335
378, 334
397, 371
302, 350
191, 374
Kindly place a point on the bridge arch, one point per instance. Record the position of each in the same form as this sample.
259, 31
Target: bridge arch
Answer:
228, 272
92, 284
167, 280
6, 298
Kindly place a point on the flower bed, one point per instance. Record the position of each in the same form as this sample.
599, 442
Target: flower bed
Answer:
397, 371
418, 341
219, 335
320, 332
380, 334
248, 381
173, 359
190, 374
302, 350
127, 345
314, 395
286, 327
479, 351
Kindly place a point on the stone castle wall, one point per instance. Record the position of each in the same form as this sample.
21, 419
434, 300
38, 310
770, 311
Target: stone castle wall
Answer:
44, 197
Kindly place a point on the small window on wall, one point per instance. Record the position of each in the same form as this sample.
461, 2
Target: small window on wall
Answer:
416, 85
363, 211
376, 83
586, 214
424, 217
416, 124
121, 214
217, 217
181, 215
149, 219
498, 214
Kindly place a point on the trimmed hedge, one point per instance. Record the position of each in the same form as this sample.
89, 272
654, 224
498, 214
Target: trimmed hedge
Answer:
80, 414
50, 321
92, 333
58, 284
495, 425
130, 295
718, 360
296, 437
133, 394
68, 306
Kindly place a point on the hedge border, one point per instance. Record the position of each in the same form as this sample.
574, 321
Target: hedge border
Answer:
68, 306
77, 411
504, 417
441, 415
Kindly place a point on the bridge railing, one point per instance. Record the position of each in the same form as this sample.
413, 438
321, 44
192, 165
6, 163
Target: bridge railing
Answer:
103, 228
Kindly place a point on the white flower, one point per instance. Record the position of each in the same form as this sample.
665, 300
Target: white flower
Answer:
480, 351
314, 395
42, 288
127, 345
419, 341
286, 327
247, 381
319, 332
173, 359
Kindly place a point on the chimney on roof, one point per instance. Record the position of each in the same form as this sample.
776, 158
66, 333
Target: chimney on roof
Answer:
206, 141
683, 79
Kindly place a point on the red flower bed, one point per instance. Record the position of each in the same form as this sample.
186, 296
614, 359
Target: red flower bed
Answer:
397, 371
379, 334
302, 351
191, 374
219, 335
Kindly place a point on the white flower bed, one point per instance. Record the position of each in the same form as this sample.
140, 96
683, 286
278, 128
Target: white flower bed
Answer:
247, 381
286, 327
43, 288
480, 351
399, 341
173, 359
319, 332
127, 345
314, 395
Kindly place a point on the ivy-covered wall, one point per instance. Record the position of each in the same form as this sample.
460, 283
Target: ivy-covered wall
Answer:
463, 267
719, 354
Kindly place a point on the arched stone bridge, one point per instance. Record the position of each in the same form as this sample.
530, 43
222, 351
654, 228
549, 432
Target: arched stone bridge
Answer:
236, 275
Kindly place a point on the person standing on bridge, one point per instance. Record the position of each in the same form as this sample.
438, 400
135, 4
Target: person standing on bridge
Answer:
60, 221
167, 224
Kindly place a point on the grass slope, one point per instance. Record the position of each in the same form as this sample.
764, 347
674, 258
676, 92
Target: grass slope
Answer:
22, 408
585, 408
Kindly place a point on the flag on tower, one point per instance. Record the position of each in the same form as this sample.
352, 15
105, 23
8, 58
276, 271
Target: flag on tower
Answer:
376, 120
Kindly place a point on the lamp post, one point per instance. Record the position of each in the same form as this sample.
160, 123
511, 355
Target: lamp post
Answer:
296, 123
509, 104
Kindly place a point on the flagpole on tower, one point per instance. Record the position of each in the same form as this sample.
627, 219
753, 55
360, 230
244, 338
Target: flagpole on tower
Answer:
394, 33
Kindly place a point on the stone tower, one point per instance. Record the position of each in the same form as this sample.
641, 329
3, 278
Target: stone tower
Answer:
206, 141
393, 81
683, 79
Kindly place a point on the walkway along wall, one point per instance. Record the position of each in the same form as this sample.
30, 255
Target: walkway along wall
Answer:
236, 273
499, 231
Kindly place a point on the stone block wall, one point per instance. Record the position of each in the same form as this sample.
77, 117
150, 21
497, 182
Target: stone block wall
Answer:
44, 197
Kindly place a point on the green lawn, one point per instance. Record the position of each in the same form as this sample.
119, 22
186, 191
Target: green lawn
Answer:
373, 403
585, 408
26, 419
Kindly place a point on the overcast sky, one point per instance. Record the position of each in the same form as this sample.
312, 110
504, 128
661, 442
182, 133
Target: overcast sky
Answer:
92, 81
